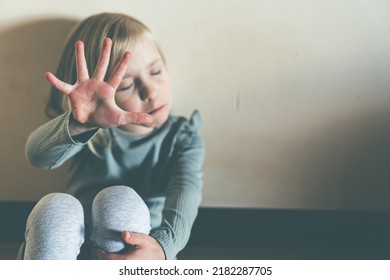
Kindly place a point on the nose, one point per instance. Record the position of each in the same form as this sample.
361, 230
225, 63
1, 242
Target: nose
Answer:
148, 91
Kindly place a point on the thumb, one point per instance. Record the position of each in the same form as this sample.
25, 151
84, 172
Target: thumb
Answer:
58, 84
137, 118
133, 238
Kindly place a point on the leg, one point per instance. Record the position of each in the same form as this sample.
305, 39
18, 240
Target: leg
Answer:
114, 210
55, 228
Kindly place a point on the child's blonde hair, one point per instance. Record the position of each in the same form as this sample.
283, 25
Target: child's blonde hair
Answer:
124, 31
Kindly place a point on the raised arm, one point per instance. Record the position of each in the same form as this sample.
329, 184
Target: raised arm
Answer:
50, 145
92, 99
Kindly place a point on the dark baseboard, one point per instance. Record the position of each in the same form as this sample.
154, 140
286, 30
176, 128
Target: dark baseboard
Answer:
13, 216
258, 227
366, 235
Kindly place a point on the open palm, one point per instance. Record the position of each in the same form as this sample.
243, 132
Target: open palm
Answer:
92, 99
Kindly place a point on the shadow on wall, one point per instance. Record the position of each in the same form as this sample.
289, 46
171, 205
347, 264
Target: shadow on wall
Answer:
27, 50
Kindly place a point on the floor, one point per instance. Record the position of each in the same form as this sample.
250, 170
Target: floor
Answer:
8, 251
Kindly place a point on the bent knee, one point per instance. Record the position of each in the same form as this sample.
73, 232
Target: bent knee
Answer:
60, 201
115, 191
57, 206
120, 207
112, 197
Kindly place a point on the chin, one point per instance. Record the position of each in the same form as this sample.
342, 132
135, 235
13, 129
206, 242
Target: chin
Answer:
160, 121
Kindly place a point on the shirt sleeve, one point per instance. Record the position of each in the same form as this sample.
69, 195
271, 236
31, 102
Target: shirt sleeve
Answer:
183, 195
50, 145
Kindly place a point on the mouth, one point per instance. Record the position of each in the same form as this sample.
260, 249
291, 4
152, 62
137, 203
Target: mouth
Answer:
156, 110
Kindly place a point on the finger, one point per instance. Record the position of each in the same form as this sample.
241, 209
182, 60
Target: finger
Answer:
126, 236
134, 238
81, 64
136, 118
104, 59
120, 70
58, 84
98, 254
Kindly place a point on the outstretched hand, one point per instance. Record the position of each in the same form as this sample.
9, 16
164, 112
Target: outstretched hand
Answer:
144, 246
92, 99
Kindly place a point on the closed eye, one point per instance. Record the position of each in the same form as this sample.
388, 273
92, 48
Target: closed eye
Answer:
126, 87
154, 73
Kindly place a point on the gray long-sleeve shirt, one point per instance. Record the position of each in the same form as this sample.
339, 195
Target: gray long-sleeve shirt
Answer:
164, 167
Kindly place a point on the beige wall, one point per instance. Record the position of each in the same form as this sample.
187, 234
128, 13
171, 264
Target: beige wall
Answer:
295, 95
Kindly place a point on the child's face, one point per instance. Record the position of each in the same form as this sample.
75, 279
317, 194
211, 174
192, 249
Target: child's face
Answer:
145, 87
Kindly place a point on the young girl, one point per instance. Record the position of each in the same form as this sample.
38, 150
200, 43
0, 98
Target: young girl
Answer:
135, 174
